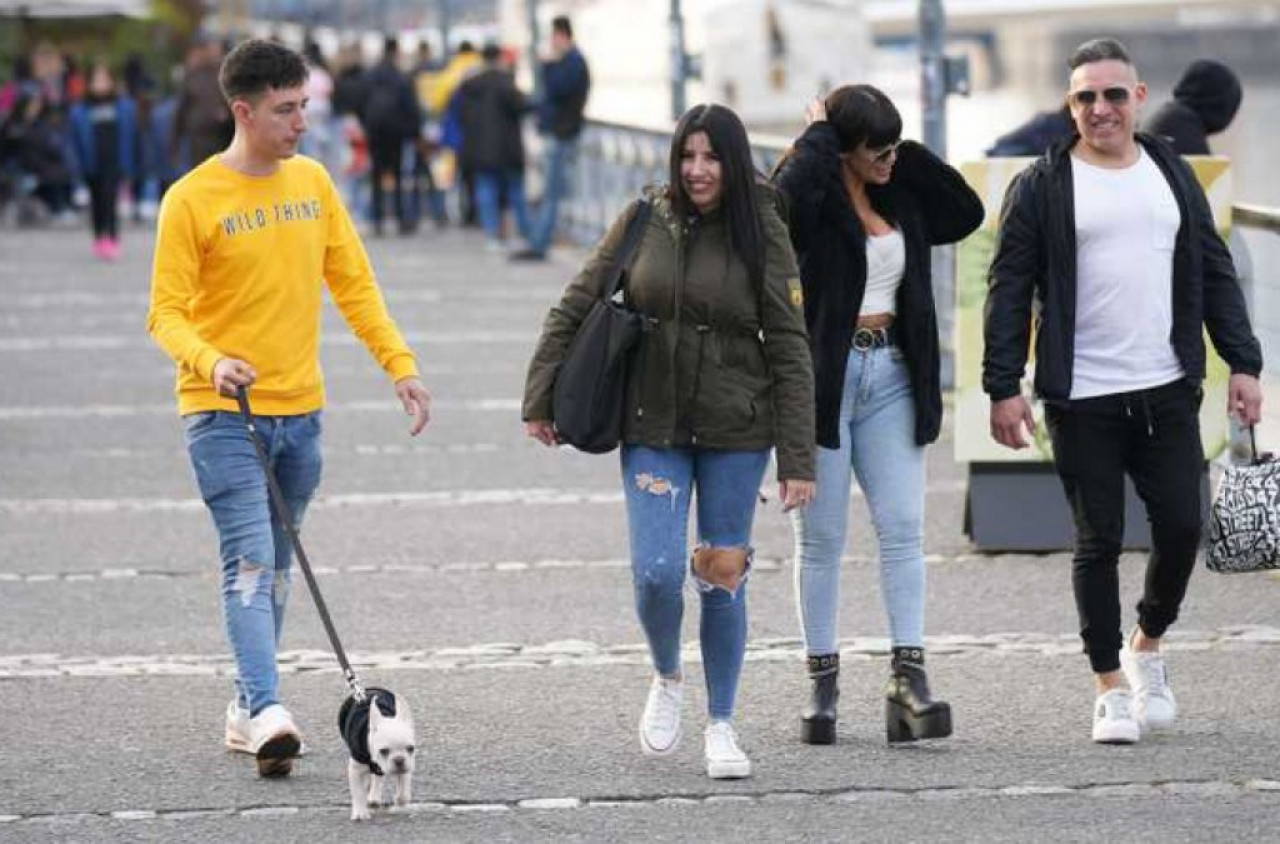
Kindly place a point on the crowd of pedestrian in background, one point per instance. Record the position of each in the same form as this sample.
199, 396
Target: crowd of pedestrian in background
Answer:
404, 137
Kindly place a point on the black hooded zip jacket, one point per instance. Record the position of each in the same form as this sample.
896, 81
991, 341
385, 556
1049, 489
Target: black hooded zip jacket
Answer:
1035, 264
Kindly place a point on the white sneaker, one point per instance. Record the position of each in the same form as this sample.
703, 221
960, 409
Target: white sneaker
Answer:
274, 741
1153, 705
725, 759
660, 723
1113, 721
236, 735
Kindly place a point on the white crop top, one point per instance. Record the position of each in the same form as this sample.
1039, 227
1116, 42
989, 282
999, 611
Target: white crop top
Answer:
886, 261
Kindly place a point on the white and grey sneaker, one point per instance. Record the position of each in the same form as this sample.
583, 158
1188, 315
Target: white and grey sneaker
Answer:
1153, 705
660, 723
236, 734
1113, 721
274, 741
725, 759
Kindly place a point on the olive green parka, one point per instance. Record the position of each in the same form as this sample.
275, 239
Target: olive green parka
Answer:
725, 364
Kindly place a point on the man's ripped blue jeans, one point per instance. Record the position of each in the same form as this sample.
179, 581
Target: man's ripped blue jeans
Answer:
254, 547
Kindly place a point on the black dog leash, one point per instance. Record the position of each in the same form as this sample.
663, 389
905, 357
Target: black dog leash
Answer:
285, 518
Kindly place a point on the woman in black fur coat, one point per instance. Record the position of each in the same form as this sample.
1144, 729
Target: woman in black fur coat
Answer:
865, 206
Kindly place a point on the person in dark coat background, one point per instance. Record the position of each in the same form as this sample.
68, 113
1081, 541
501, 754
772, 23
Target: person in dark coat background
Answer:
1035, 136
391, 116
1204, 103
490, 107
202, 121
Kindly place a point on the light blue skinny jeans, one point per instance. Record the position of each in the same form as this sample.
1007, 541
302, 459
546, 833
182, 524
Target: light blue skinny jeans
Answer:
659, 483
256, 553
877, 443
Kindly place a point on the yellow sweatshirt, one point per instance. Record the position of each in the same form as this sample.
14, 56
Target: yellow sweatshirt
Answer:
239, 266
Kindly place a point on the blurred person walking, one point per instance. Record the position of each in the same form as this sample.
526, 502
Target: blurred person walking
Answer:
444, 103
324, 133
201, 121
391, 118
104, 131
566, 83
491, 108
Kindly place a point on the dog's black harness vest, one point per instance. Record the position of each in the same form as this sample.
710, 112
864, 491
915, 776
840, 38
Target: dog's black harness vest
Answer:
353, 723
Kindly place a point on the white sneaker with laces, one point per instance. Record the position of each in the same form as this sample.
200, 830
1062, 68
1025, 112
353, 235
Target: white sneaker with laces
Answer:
725, 759
1153, 705
236, 735
1113, 721
274, 741
660, 723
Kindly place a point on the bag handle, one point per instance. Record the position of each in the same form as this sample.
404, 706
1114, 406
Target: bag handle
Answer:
631, 240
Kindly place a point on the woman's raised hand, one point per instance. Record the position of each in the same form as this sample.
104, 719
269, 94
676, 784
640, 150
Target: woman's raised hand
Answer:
816, 111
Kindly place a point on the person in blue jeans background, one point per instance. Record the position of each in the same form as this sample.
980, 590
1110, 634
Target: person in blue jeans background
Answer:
722, 376
566, 82
104, 131
865, 208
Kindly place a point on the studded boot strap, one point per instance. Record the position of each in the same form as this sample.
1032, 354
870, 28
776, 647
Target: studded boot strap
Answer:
821, 665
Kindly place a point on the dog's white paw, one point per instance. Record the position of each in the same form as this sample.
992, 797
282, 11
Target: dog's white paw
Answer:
358, 814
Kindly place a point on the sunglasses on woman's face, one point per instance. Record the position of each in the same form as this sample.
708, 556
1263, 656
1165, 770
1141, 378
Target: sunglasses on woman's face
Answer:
880, 156
1116, 96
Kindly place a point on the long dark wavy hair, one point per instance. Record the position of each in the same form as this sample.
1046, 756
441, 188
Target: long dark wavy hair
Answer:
863, 114
738, 203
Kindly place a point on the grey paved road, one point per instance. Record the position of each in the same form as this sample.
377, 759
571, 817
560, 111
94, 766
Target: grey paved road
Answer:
484, 578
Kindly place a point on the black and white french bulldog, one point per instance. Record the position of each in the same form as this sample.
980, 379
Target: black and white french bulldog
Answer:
378, 732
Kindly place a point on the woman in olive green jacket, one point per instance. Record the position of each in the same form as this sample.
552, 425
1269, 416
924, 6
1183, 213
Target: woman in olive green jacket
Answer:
723, 377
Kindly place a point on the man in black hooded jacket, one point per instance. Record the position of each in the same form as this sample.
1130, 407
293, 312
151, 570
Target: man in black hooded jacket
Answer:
1204, 103
1110, 240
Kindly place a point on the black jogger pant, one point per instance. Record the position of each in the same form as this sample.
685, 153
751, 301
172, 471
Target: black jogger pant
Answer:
385, 151
1153, 436
103, 195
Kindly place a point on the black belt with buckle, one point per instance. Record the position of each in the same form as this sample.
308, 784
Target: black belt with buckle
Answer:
865, 339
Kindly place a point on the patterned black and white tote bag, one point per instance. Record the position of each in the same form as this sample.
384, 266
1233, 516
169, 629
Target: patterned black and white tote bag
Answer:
1244, 523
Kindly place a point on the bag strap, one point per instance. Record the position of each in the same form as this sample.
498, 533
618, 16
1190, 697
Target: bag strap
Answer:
630, 241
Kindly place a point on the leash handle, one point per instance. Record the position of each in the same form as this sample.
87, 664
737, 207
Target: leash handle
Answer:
286, 519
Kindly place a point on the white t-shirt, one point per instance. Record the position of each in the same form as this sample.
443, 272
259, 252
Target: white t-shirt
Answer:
886, 261
1126, 225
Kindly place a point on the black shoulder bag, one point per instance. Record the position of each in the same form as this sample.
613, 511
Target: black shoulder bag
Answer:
590, 387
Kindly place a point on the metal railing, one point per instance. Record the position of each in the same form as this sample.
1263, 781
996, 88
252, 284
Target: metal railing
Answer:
615, 161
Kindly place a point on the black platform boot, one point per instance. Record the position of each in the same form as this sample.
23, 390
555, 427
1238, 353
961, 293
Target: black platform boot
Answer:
910, 711
818, 723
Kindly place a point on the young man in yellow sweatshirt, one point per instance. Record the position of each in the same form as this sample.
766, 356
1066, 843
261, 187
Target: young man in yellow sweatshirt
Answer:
246, 243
